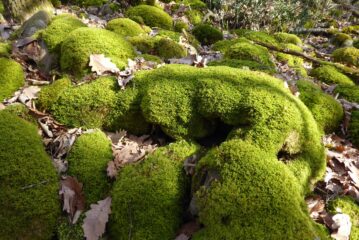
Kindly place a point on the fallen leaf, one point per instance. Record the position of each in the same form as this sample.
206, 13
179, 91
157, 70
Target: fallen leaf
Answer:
342, 226
101, 64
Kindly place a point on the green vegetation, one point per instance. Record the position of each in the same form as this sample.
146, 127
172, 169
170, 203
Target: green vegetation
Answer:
29, 183
167, 48
340, 38
258, 37
148, 198
5, 49
288, 38
331, 75
350, 93
195, 16
151, 16
354, 127
125, 27
244, 64
294, 62
207, 34
88, 2
20, 110
180, 25
348, 55
11, 77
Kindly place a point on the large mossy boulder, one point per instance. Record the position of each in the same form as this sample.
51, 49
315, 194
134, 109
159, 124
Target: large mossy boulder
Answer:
148, 198
12, 77
125, 27
207, 34
28, 181
82, 42
331, 75
151, 16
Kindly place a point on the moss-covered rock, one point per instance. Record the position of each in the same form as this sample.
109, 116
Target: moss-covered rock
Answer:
354, 127
294, 62
349, 92
167, 48
347, 206
244, 64
351, 29
262, 37
340, 39
326, 110
145, 44
88, 2
331, 75
125, 27
148, 199
288, 38
5, 49
194, 16
82, 42
152, 16
29, 183
179, 26
58, 30
151, 58
11, 77
88, 160
347, 55
207, 34
20, 110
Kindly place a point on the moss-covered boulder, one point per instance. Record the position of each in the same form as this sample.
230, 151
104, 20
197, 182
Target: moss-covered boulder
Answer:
296, 63
331, 75
244, 64
326, 110
29, 184
347, 55
195, 16
348, 92
255, 36
152, 16
341, 39
167, 48
288, 38
58, 30
12, 77
179, 26
5, 49
125, 27
148, 198
207, 34
354, 127
88, 160
244, 196
82, 42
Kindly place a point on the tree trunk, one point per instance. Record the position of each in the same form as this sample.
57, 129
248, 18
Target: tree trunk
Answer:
20, 10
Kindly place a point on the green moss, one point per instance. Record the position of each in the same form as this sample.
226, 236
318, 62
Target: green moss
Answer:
288, 38
331, 75
59, 28
167, 48
29, 183
5, 49
151, 58
69, 231
348, 55
326, 110
2, 8
194, 16
244, 64
354, 127
179, 26
295, 63
262, 37
82, 42
144, 44
175, 36
348, 206
125, 27
224, 45
351, 29
88, 2
350, 93
88, 162
148, 199
292, 47
194, 4
340, 38
152, 16
20, 110
244, 196
207, 34
11, 77
50, 94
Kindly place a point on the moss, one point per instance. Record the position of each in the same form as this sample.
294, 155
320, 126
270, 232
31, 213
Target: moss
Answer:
194, 16
351, 29
224, 45
144, 44
20, 110
244, 64
326, 110
151, 58
288, 38
348, 55
50, 94
340, 38
292, 47
29, 183
245, 197
148, 199
5, 49
125, 27
2, 8
59, 28
207, 34
354, 127
88, 160
262, 37
179, 26
194, 4
152, 16
88, 2
348, 206
331, 75
295, 63
81, 43
69, 231
350, 93
167, 48
175, 36
11, 77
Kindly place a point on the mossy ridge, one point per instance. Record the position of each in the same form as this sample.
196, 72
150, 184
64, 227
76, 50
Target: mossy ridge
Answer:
207, 34
152, 16
82, 42
125, 27
283, 37
262, 37
148, 198
12, 77
347, 55
354, 127
331, 75
88, 160
23, 164
326, 110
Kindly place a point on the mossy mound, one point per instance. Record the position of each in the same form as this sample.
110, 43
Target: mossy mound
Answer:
347, 206
244, 64
12, 77
148, 198
152, 16
5, 49
294, 62
224, 45
340, 39
351, 29
348, 92
88, 160
179, 26
354, 127
244, 196
261, 37
125, 27
207, 34
348, 55
288, 38
20, 110
58, 30
29, 184
326, 110
82, 42
331, 75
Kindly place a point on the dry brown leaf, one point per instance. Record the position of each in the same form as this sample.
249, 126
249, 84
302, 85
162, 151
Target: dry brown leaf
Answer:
95, 221
101, 64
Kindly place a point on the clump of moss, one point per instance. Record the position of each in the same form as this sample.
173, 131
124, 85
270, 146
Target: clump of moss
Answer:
125, 27
88, 2
347, 206
326, 110
69, 231
354, 127
292, 47
288, 38
244, 64
262, 37
29, 183
194, 4
351, 29
148, 199
294, 62
331, 75
82, 42
167, 48
207, 34
152, 16
194, 16
179, 26
340, 38
224, 45
348, 55
350, 93
144, 44
233, 204
151, 58
20, 110
60, 27
88, 160
11, 77
5, 49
